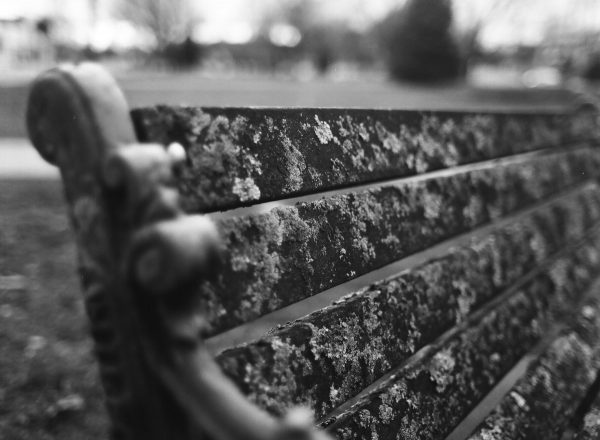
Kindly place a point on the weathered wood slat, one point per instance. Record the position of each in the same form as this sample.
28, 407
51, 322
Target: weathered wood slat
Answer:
291, 253
243, 156
590, 429
542, 403
426, 399
329, 356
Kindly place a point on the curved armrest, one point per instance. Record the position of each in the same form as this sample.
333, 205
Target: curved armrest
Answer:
139, 258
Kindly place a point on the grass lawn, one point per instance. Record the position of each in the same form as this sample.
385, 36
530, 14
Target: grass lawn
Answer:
194, 89
49, 386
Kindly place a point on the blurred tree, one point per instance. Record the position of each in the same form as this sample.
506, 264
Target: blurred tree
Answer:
591, 71
302, 14
184, 55
328, 43
324, 39
471, 20
419, 42
167, 21
44, 26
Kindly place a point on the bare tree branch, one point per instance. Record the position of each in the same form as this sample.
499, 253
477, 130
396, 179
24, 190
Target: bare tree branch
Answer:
165, 20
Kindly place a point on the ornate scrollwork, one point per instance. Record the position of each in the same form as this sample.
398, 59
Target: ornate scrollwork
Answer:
140, 258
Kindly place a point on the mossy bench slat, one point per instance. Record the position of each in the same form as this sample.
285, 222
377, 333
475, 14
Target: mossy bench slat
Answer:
291, 253
429, 397
589, 428
327, 357
245, 156
546, 399
494, 218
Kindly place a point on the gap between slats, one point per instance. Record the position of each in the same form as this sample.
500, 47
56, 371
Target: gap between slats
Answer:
430, 349
281, 257
441, 173
254, 329
504, 386
518, 372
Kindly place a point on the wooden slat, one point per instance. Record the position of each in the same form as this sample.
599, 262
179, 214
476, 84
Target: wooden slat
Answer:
291, 253
243, 156
590, 429
427, 398
349, 345
542, 403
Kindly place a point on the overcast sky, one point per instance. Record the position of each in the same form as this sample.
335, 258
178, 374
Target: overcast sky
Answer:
233, 19
220, 10
222, 20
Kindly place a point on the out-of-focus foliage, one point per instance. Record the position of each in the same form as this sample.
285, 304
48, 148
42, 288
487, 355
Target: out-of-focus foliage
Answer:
327, 43
471, 20
419, 43
168, 21
322, 42
592, 69
183, 55
44, 26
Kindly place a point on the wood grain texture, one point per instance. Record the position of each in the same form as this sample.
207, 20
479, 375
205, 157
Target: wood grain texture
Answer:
327, 357
243, 156
428, 398
542, 403
290, 253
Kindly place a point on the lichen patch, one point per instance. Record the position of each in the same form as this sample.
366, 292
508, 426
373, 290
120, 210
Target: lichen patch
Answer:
246, 189
441, 368
323, 131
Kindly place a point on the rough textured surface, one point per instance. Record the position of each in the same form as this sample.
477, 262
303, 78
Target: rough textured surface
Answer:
427, 399
590, 429
242, 156
80, 146
329, 356
541, 404
288, 254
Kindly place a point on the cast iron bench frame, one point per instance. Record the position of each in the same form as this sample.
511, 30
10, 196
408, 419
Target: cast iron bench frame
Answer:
140, 258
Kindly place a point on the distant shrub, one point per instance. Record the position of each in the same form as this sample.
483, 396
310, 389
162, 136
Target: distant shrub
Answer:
592, 69
419, 43
184, 55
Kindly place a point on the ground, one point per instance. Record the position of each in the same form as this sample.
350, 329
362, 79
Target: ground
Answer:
48, 378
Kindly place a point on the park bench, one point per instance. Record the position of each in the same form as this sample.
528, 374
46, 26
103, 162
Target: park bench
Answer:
387, 272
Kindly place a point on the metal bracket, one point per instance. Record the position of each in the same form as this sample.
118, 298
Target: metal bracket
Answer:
140, 259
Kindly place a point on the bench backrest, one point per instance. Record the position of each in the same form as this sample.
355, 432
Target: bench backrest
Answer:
465, 240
